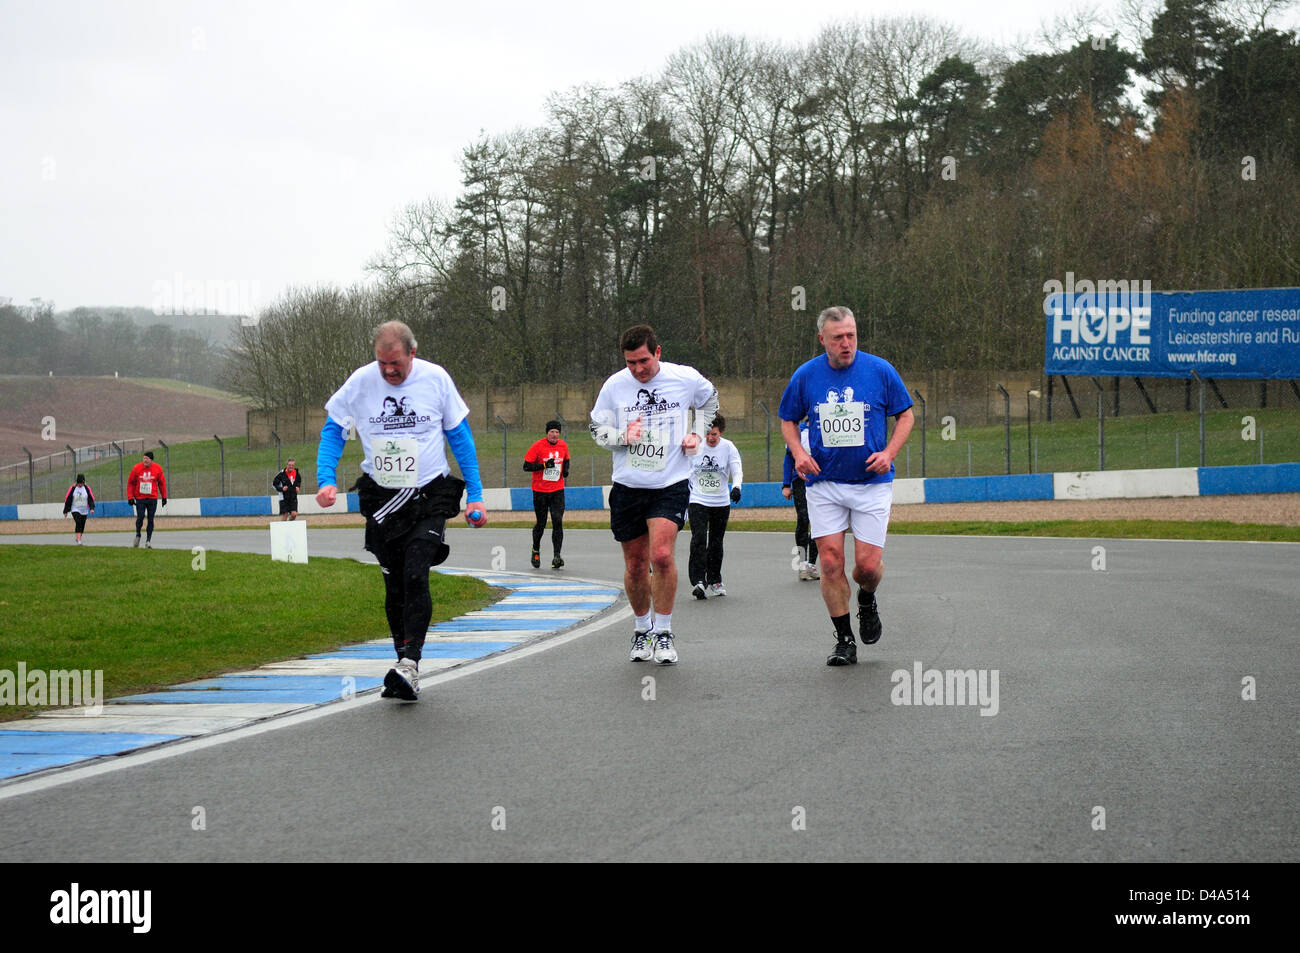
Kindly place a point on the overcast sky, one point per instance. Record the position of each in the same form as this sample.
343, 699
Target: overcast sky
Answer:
260, 145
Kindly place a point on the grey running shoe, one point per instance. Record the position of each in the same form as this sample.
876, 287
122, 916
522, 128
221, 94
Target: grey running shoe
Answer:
642, 651
665, 653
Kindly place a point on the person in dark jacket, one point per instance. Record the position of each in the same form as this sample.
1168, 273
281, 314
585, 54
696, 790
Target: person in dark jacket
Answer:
287, 483
80, 502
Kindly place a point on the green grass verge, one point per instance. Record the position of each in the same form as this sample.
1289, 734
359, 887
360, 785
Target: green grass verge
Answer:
148, 618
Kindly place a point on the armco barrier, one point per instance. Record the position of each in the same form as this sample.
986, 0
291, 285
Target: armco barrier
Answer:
1110, 484
1268, 478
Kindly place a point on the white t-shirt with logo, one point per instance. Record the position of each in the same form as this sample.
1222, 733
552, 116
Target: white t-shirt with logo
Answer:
662, 403
712, 469
80, 500
401, 427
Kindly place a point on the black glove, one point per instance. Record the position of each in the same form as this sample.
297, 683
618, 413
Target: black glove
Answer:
735, 494
130, 502
164, 502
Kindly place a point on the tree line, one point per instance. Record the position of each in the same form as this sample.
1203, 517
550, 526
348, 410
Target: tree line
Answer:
93, 342
928, 182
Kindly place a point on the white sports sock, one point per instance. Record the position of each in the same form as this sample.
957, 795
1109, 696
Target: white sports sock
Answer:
644, 623
663, 623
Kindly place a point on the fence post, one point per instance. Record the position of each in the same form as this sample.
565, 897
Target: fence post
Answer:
222, 447
277, 451
505, 438
121, 471
1202, 414
1029, 425
1006, 417
769, 439
922, 400
74, 461
167, 463
31, 476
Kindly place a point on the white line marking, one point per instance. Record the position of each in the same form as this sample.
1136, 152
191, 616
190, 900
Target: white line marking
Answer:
150, 755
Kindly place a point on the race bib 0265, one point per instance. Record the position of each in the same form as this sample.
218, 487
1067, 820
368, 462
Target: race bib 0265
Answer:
709, 481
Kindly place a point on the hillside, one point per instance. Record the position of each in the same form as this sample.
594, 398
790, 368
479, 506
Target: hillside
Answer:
90, 410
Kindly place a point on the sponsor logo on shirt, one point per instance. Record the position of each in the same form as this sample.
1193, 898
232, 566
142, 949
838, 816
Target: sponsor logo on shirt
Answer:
398, 415
649, 402
834, 397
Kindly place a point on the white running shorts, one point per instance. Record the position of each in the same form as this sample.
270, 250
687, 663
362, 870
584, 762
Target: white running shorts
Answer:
864, 507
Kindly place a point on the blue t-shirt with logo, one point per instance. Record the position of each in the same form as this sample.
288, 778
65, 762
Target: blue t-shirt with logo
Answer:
848, 413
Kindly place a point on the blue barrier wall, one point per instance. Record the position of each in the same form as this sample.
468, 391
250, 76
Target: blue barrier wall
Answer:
1030, 486
1211, 481
235, 505
1260, 478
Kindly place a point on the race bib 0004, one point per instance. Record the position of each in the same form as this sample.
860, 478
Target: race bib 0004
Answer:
651, 453
396, 462
843, 425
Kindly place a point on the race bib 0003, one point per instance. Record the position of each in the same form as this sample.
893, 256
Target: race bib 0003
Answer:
396, 462
843, 425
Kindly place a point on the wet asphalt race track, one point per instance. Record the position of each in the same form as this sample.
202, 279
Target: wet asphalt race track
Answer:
1117, 689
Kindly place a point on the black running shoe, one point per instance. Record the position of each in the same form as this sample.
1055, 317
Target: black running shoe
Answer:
846, 653
536, 559
557, 563
868, 618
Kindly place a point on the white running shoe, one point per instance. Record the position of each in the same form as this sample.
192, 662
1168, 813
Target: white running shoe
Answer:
404, 680
717, 589
642, 651
665, 653
699, 591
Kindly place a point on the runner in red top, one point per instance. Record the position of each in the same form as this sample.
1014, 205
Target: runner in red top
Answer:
548, 460
144, 488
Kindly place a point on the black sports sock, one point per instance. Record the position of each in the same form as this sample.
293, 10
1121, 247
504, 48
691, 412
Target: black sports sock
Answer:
843, 630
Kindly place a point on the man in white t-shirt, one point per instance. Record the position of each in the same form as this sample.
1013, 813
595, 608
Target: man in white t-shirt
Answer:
641, 415
712, 469
406, 412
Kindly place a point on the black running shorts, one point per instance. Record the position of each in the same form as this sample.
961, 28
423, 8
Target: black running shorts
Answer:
630, 507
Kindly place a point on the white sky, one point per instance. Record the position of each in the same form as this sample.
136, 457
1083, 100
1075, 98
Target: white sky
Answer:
268, 144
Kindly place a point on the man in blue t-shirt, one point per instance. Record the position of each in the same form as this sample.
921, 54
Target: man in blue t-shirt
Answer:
847, 395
